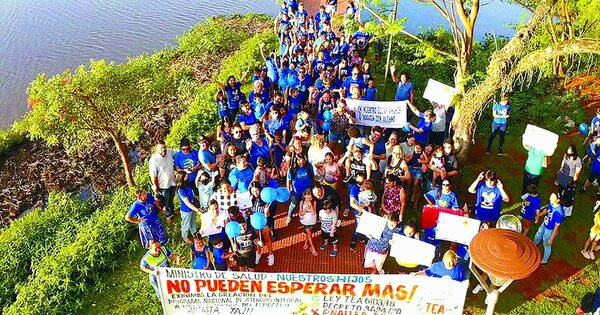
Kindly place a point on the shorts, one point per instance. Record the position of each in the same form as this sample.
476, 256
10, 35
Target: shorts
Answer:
501, 127
308, 226
332, 239
593, 178
247, 262
374, 259
594, 237
568, 211
334, 137
416, 172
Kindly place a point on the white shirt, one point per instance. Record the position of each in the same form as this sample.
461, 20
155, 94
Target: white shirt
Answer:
163, 168
439, 124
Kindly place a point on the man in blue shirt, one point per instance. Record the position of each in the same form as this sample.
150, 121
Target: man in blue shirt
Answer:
207, 158
421, 131
553, 217
186, 160
355, 80
489, 196
241, 176
447, 268
404, 90
501, 113
246, 118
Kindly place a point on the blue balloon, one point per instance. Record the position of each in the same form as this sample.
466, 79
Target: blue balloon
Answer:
233, 229
327, 115
283, 194
268, 194
258, 220
326, 125
584, 129
406, 128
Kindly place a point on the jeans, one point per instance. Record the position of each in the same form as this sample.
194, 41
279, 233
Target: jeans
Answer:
271, 217
154, 283
168, 194
294, 201
495, 129
188, 223
529, 178
544, 234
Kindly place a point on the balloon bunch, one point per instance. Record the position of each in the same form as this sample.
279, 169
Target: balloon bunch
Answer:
327, 115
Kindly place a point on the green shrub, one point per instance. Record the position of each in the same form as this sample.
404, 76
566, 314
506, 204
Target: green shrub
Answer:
35, 235
60, 279
209, 37
9, 138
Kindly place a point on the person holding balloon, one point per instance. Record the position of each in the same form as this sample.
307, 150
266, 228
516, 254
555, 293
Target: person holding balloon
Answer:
258, 219
243, 243
299, 178
199, 253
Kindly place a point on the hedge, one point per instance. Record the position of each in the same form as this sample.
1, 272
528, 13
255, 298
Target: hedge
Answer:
209, 37
35, 235
9, 138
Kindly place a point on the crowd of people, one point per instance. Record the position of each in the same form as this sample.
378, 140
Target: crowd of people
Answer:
295, 130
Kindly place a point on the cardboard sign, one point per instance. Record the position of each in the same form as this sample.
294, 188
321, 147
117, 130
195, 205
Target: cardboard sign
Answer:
439, 92
456, 229
371, 224
430, 215
540, 139
412, 251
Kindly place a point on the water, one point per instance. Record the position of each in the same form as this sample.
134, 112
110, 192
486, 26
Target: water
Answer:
49, 36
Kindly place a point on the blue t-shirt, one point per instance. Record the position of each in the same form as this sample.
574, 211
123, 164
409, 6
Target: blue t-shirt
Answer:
403, 91
295, 104
528, 211
264, 96
349, 82
554, 216
438, 270
206, 157
240, 180
234, 95
247, 119
144, 210
272, 126
259, 110
223, 107
445, 200
426, 127
185, 192
487, 203
371, 94
200, 257
257, 151
272, 69
278, 153
302, 180
595, 124
500, 109
596, 162
382, 244
303, 85
186, 162
218, 254
353, 193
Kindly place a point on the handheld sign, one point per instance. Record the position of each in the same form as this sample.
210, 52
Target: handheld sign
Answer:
383, 114
431, 213
439, 92
540, 139
456, 229
211, 230
371, 224
411, 251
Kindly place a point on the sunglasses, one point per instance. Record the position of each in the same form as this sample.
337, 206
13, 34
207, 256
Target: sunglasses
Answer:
446, 184
185, 149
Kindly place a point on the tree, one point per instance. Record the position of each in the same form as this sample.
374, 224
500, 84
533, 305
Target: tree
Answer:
98, 102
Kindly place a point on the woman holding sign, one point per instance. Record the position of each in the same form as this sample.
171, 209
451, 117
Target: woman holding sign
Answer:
377, 249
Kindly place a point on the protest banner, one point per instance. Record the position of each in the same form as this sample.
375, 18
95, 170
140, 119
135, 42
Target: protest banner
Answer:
383, 114
192, 291
439, 92
412, 251
540, 139
456, 229
430, 214
370, 224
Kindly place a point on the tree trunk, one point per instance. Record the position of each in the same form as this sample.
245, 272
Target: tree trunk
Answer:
122, 149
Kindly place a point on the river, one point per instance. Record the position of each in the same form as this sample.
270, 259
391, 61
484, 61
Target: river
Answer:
48, 36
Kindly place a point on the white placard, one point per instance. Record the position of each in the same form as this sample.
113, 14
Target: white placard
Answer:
382, 114
371, 224
244, 200
412, 251
211, 230
439, 92
457, 229
540, 139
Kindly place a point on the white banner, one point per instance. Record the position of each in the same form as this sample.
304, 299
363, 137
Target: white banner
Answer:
457, 229
540, 139
439, 92
383, 114
369, 223
192, 291
412, 251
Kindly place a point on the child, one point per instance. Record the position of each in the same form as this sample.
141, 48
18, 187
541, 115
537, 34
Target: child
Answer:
258, 107
206, 189
308, 219
437, 165
331, 170
199, 253
218, 254
531, 206
371, 90
302, 122
567, 198
243, 247
328, 219
594, 236
367, 196
277, 148
260, 173
294, 101
222, 104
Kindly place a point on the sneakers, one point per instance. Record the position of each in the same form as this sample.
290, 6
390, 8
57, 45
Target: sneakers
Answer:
333, 253
592, 256
257, 258
500, 152
346, 212
477, 289
288, 220
323, 246
271, 260
586, 254
352, 246
487, 152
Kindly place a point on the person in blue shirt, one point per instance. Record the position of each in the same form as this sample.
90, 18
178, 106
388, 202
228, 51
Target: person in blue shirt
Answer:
531, 206
299, 179
259, 108
304, 82
144, 213
222, 104
273, 124
199, 253
257, 146
260, 88
218, 254
186, 160
447, 268
355, 80
595, 124
294, 101
421, 131
404, 90
553, 217
234, 94
377, 249
188, 207
286, 116
501, 113
443, 197
277, 149
595, 171
321, 18
241, 176
246, 118
489, 196
371, 90
207, 158
157, 256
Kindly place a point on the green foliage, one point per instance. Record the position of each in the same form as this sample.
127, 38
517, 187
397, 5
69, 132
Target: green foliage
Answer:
9, 138
210, 37
41, 232
61, 278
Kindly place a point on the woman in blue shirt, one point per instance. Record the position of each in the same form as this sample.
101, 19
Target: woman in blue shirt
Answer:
443, 197
299, 179
144, 213
447, 268
257, 146
199, 254
188, 208
489, 196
